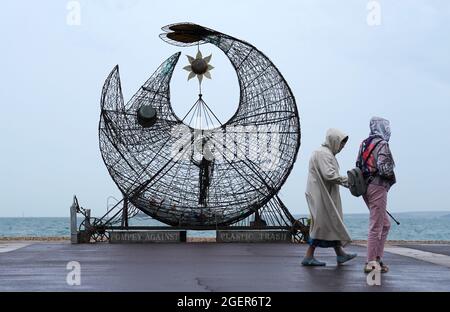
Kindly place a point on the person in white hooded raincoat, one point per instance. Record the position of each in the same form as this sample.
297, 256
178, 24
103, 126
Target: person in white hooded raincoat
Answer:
327, 227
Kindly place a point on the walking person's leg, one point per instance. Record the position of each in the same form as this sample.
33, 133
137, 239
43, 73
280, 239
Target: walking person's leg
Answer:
310, 252
382, 204
342, 256
339, 251
374, 201
384, 234
309, 259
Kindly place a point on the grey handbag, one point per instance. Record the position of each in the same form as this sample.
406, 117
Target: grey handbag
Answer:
356, 182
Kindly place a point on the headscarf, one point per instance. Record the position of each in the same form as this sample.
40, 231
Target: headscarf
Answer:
380, 127
334, 139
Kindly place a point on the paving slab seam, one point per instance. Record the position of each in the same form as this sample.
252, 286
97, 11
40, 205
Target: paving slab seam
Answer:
8, 247
426, 256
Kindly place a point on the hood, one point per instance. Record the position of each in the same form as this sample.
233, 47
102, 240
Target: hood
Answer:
380, 127
333, 140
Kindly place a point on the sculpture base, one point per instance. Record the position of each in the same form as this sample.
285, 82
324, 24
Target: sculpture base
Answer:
253, 236
155, 236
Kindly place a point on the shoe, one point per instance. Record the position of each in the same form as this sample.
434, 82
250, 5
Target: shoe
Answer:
345, 258
372, 265
312, 262
384, 267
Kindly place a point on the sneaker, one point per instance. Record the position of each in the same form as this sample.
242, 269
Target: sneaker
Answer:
345, 258
372, 265
384, 267
312, 262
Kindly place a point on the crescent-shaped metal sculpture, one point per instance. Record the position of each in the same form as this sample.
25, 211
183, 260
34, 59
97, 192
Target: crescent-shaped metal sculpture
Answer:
181, 189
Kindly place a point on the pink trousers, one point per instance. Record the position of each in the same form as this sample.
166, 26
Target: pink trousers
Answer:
379, 224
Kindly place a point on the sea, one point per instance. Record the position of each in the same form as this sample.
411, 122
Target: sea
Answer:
418, 226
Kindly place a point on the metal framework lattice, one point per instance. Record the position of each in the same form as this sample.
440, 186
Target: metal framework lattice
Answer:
187, 189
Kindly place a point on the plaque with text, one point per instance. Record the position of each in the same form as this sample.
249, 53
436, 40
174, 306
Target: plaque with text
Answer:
165, 236
253, 236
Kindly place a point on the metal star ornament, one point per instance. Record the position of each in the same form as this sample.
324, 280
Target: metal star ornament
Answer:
199, 67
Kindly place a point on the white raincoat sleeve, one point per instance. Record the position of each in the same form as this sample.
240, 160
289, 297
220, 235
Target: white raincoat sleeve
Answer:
329, 170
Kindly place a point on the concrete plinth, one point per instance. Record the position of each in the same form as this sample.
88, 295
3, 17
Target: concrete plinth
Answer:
253, 236
154, 236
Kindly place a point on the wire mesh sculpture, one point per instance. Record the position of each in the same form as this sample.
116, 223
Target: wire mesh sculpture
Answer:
185, 176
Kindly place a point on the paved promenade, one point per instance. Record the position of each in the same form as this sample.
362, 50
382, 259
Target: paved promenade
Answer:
36, 266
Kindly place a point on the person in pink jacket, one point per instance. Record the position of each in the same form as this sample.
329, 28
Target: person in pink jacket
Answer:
377, 164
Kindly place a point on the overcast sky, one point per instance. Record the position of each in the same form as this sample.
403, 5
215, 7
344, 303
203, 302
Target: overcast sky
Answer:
342, 70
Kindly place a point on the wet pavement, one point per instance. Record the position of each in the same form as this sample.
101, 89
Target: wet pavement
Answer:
442, 249
208, 267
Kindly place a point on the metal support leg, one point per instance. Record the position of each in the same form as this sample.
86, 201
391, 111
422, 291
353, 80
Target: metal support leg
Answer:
125, 213
73, 222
